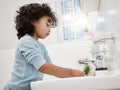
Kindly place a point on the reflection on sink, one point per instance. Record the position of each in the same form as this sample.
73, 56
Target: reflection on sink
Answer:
108, 80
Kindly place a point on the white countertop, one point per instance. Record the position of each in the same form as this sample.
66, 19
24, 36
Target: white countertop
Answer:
110, 80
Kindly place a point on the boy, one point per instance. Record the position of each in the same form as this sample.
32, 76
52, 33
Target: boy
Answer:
31, 59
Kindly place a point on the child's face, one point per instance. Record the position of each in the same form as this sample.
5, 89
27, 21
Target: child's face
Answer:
42, 27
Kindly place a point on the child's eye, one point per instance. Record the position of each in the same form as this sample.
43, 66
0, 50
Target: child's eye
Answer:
49, 25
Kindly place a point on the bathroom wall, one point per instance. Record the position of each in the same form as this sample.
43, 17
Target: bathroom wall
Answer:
6, 64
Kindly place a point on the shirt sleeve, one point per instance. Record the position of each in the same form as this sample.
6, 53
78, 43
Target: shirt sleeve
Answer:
47, 57
30, 52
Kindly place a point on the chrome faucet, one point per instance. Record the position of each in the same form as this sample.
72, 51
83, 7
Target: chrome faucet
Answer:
86, 61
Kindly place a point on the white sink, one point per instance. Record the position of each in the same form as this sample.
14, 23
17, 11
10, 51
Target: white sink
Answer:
104, 73
108, 80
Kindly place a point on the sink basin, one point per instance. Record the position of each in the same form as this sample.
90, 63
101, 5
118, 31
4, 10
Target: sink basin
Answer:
108, 80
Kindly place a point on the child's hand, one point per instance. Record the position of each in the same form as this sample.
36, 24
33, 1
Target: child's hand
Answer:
77, 73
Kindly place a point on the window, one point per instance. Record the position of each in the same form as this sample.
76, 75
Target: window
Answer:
74, 23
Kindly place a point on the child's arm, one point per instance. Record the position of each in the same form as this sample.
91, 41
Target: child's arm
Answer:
61, 72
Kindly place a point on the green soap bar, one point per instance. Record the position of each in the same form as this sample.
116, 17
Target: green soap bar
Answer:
87, 69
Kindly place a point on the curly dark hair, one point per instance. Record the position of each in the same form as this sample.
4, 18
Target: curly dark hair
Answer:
29, 13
